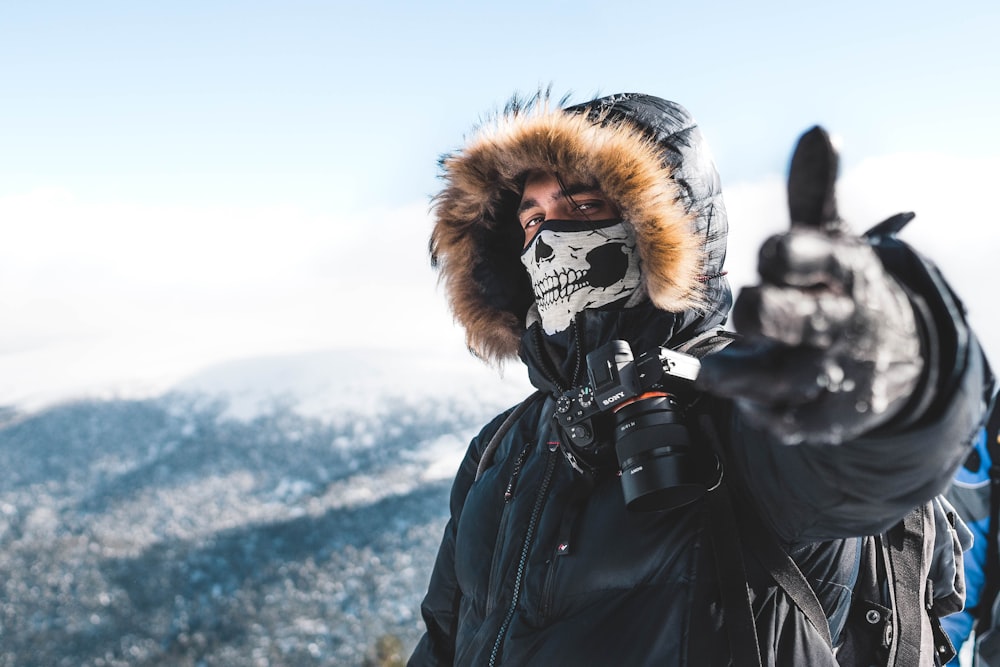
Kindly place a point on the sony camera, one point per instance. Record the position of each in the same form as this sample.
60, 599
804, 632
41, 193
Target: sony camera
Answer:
644, 398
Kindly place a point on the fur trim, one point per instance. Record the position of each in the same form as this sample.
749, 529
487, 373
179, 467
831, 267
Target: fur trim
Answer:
476, 240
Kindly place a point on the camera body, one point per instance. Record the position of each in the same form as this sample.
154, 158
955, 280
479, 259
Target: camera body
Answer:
659, 465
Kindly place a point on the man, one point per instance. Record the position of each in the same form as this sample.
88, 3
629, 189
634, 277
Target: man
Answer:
628, 514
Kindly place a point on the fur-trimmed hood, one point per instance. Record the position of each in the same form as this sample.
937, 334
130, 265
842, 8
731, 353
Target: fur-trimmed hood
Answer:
645, 153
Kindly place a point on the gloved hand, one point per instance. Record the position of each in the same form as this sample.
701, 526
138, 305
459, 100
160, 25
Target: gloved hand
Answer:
830, 344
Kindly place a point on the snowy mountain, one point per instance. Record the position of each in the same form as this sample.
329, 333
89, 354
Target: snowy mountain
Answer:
282, 511
329, 382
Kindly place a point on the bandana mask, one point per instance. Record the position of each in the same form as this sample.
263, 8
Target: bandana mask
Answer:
576, 265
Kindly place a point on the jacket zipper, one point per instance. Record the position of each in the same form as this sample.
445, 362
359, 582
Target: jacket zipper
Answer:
522, 564
502, 529
518, 464
547, 367
578, 335
545, 361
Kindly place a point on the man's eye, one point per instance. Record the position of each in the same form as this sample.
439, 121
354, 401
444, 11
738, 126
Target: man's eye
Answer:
533, 221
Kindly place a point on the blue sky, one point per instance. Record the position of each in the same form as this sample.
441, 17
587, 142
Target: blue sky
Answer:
190, 182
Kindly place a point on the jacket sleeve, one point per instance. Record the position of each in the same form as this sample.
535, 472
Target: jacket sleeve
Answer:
440, 605
864, 486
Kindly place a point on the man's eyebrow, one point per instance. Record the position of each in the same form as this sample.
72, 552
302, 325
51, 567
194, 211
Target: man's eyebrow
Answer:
526, 204
568, 191
579, 189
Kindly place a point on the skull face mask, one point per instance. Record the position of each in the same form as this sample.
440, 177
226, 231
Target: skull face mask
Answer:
576, 265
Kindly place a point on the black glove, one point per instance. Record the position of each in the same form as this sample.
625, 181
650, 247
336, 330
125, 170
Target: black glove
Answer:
830, 345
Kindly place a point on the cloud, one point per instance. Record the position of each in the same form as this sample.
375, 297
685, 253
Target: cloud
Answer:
133, 297
107, 294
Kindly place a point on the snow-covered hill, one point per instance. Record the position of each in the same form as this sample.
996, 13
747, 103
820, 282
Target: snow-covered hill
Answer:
279, 511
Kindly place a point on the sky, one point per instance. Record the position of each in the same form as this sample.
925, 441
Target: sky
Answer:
187, 184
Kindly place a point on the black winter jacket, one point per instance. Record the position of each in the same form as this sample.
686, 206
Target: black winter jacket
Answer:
537, 568
541, 564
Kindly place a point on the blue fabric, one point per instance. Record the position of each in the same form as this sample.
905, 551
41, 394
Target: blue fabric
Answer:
970, 494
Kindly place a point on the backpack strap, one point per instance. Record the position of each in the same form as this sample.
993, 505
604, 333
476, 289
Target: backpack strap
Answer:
911, 593
904, 547
487, 458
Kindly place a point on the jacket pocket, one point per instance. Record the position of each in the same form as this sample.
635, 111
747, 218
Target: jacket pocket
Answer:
496, 563
548, 589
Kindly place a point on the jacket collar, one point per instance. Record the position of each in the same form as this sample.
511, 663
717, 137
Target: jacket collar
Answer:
557, 362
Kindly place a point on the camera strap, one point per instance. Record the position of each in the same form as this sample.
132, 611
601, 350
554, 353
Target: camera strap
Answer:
707, 342
732, 574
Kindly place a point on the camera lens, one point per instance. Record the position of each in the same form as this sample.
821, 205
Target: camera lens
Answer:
659, 468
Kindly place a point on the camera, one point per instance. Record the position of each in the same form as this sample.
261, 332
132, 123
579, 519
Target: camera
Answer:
645, 400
